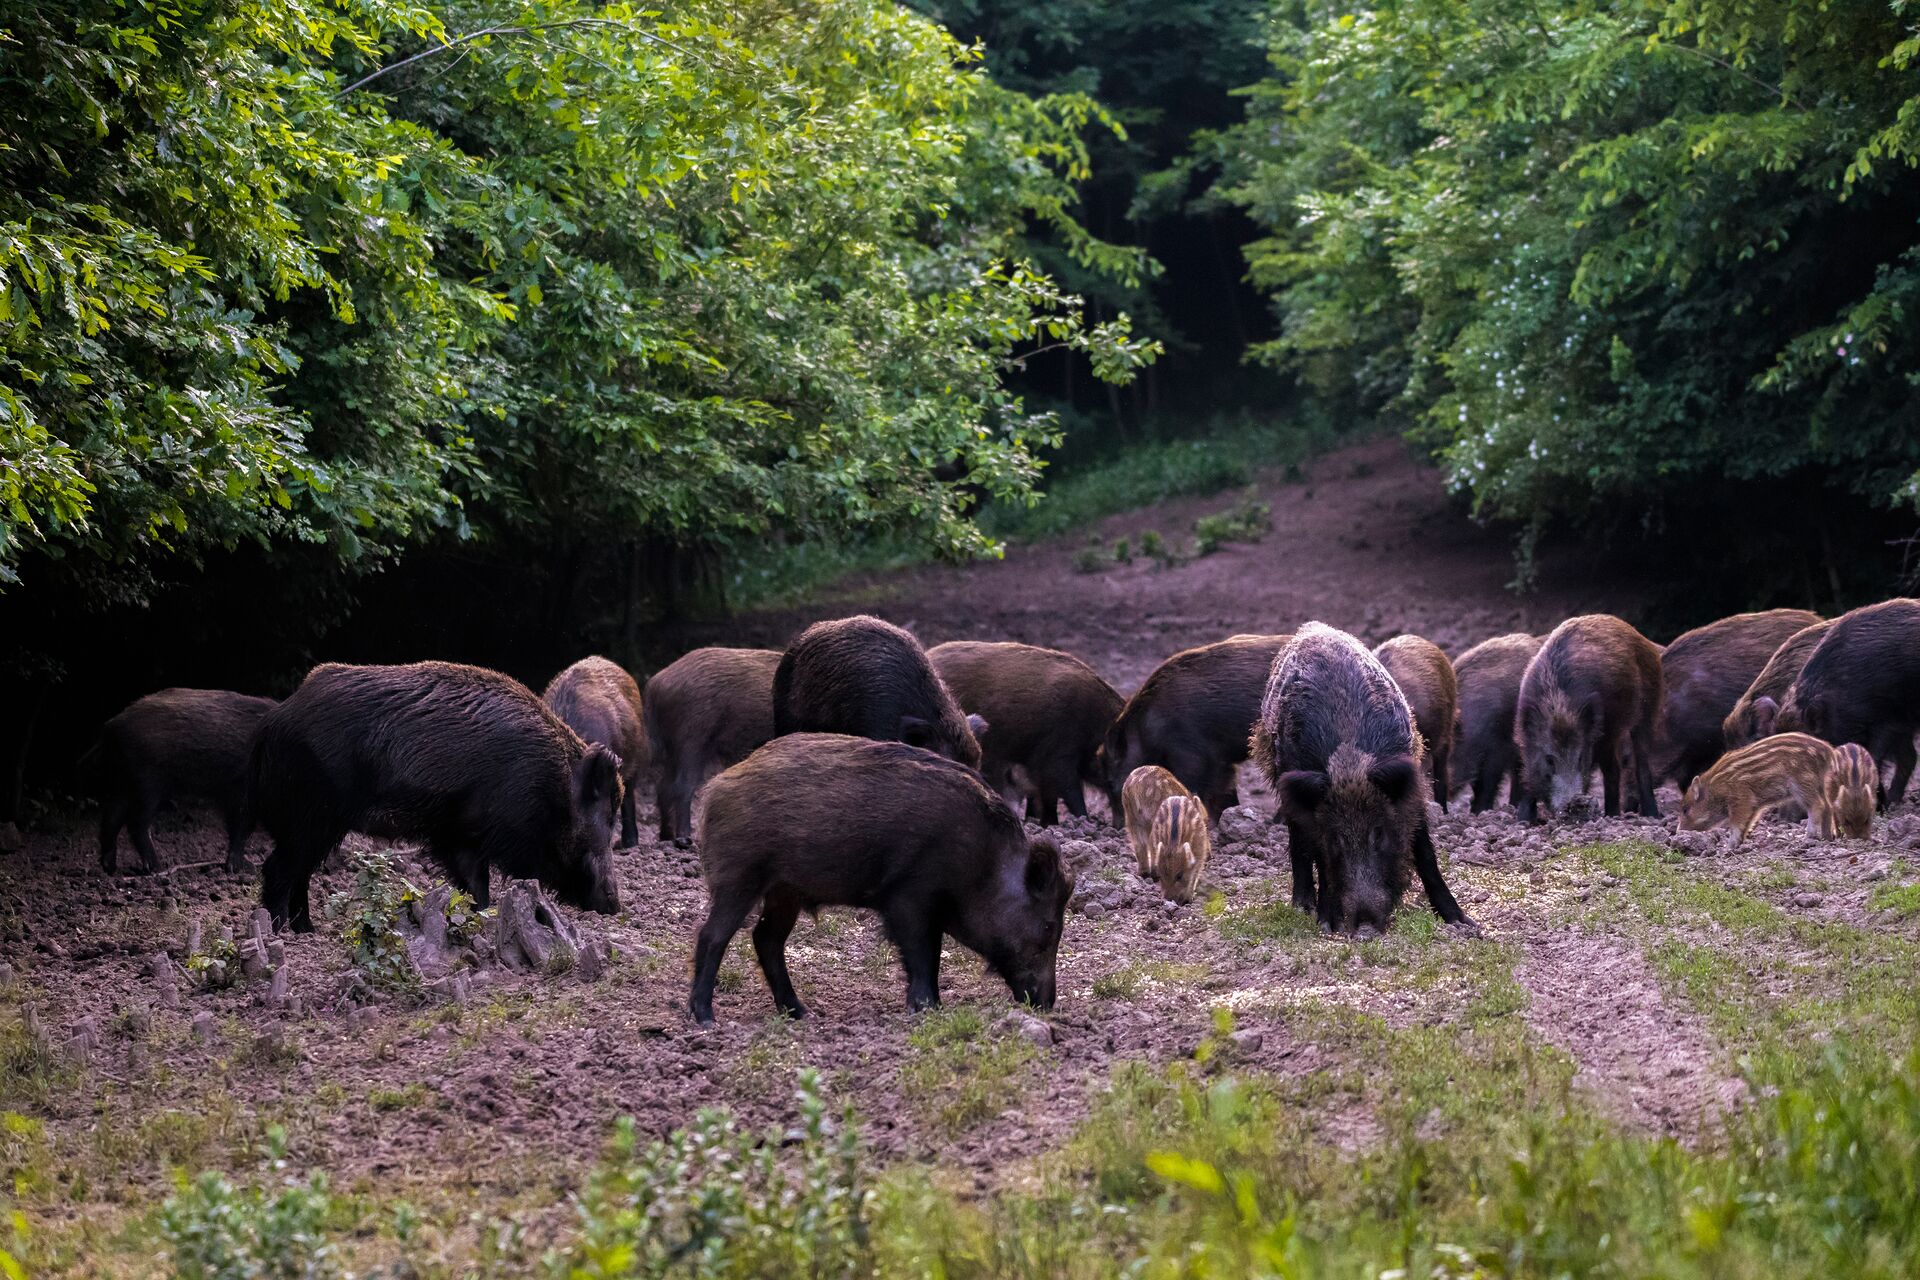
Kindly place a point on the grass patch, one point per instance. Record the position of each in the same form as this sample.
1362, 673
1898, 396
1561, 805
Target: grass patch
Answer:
404, 1098
1129, 982
961, 1070
1899, 900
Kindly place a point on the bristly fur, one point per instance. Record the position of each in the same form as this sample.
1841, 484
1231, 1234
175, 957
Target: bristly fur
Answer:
1328, 691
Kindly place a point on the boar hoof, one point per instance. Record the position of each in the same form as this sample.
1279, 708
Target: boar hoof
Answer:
794, 1011
683, 842
1365, 933
1465, 928
701, 1018
238, 865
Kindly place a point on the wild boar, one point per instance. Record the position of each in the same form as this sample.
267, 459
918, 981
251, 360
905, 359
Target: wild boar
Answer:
177, 744
463, 758
1861, 684
1193, 716
1146, 789
1179, 846
705, 711
1787, 768
866, 677
1335, 737
1757, 712
1852, 791
1049, 713
600, 702
1703, 674
820, 819
1427, 680
1489, 676
1593, 688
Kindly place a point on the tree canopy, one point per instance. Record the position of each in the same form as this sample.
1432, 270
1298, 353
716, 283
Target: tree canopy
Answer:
354, 274
1610, 256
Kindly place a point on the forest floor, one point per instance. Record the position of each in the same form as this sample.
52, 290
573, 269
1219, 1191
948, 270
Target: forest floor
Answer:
1634, 977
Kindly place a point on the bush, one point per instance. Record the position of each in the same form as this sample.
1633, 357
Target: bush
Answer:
217, 1231
1248, 522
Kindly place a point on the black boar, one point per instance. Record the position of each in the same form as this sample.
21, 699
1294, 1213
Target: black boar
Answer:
1336, 739
1755, 715
1489, 676
177, 744
1593, 689
466, 759
1861, 684
1193, 717
866, 677
1703, 673
814, 819
1048, 713
600, 702
1427, 680
708, 709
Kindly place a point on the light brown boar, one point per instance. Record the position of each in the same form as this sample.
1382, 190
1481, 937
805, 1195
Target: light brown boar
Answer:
1852, 791
1179, 846
1432, 691
600, 702
1146, 789
1787, 768
1592, 690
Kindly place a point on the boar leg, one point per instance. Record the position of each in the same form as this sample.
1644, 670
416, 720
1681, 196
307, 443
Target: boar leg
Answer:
911, 927
1896, 745
113, 816
724, 918
777, 914
145, 806
1643, 769
1606, 754
1442, 776
283, 883
1427, 863
630, 819
665, 799
1301, 853
239, 827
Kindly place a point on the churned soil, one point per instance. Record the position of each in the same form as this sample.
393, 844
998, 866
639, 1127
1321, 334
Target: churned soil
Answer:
503, 1101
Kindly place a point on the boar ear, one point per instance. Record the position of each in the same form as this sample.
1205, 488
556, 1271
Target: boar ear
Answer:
1766, 712
977, 725
1045, 867
1301, 791
1394, 777
595, 777
915, 732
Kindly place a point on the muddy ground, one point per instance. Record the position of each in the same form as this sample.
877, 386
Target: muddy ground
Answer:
501, 1102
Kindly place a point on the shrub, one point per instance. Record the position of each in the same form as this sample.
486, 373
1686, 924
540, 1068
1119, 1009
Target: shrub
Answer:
1248, 522
217, 1231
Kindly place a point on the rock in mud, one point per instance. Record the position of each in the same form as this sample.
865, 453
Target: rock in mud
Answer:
282, 986
1034, 1031
6, 974
1240, 825
203, 1027
11, 841
1246, 1042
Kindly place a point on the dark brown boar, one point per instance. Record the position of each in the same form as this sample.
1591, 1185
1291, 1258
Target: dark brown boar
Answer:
1755, 715
1489, 676
177, 744
706, 710
1336, 739
1048, 713
465, 759
1703, 673
600, 702
1193, 717
813, 820
868, 678
1861, 684
1593, 689
1427, 680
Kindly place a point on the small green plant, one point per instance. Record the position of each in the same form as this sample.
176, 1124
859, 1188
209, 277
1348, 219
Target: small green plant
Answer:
1122, 551
372, 909
1901, 900
714, 1201
1088, 560
216, 966
402, 1099
960, 1068
1156, 548
217, 1231
1248, 522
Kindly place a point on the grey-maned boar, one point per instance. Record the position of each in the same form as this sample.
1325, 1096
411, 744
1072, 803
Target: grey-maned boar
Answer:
705, 711
1193, 717
1861, 684
1433, 695
177, 744
1703, 674
1048, 713
868, 678
1592, 690
600, 702
1489, 676
1757, 713
815, 819
463, 758
1336, 739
